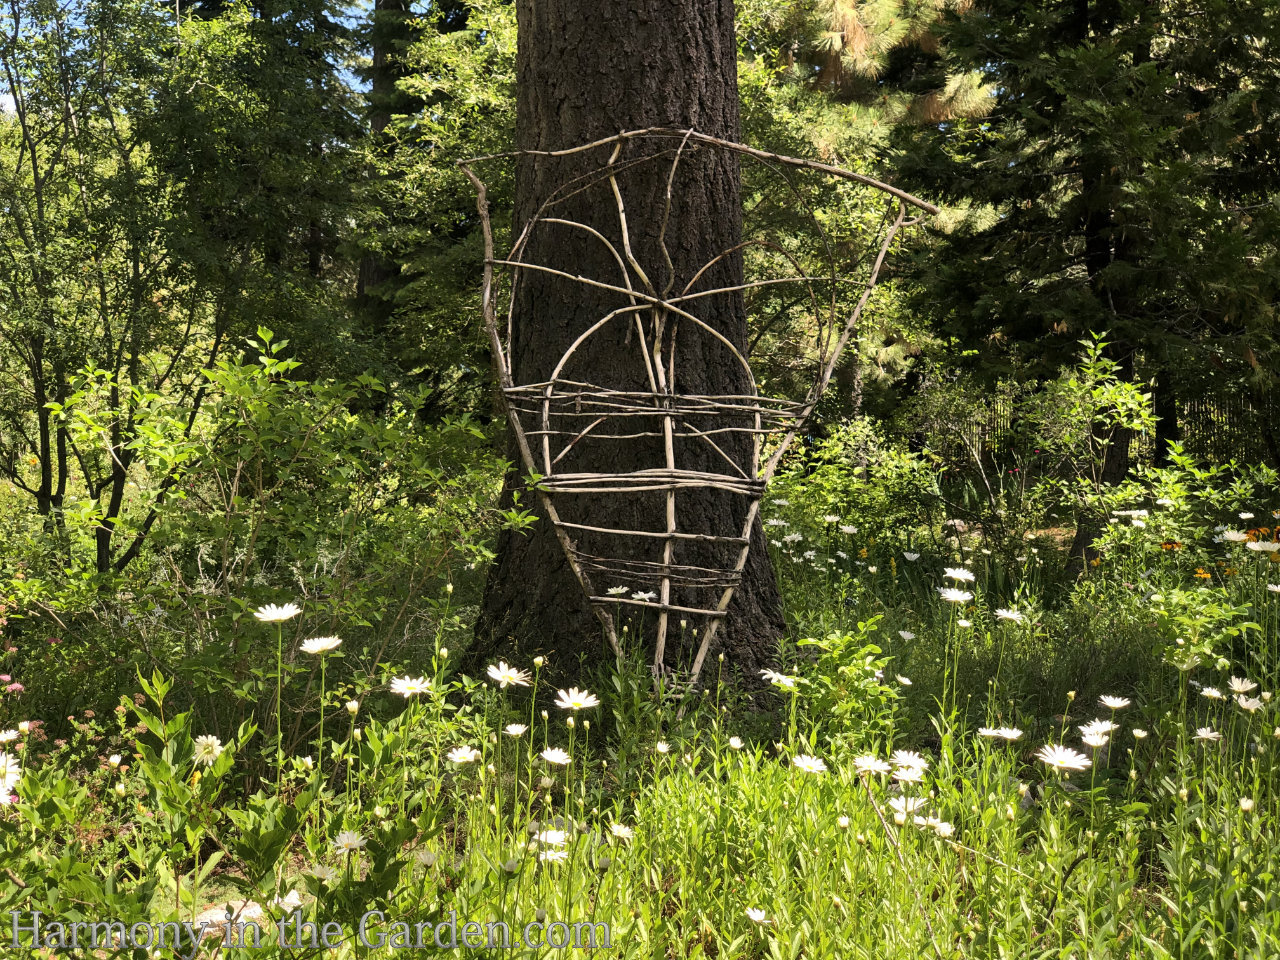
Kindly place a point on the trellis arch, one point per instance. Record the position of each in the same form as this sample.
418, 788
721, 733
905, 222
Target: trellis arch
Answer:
549, 418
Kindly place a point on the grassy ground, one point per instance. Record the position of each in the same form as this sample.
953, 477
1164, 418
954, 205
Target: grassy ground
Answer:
945, 765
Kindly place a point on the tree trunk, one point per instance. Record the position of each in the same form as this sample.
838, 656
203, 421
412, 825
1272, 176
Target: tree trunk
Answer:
1168, 426
587, 71
389, 32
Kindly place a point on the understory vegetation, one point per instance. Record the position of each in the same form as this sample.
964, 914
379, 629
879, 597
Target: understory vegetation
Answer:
971, 745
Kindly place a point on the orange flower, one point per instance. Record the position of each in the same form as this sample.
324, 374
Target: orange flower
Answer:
1171, 545
1203, 574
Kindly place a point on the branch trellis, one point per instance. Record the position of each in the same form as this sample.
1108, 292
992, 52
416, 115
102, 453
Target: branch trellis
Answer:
549, 418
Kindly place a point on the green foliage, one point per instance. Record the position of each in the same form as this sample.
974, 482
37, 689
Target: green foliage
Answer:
285, 490
845, 695
1114, 185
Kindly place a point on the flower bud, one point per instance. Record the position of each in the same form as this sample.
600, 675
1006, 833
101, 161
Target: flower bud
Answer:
353, 706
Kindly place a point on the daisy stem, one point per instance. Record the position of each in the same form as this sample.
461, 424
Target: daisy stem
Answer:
279, 694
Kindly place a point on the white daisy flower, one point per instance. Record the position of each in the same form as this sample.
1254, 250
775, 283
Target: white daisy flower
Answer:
907, 805
463, 754
320, 644
555, 755
507, 676
1242, 685
756, 915
954, 595
552, 838
1094, 727
621, 831
575, 700
870, 764
912, 557
1006, 614
348, 841
410, 686
908, 758
271, 613
809, 764
1207, 734
780, 679
208, 749
959, 574
1063, 758
514, 729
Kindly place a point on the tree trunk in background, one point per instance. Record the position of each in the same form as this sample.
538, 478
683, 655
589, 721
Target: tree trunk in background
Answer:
389, 33
1168, 427
587, 71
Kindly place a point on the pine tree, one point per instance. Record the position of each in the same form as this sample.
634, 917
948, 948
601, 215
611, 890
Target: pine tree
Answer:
1123, 181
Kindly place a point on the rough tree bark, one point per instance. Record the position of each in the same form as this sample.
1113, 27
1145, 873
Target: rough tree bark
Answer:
587, 71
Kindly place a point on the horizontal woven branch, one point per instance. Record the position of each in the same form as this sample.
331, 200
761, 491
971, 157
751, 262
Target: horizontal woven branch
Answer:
713, 613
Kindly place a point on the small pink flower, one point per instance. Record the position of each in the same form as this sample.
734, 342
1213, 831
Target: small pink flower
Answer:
5, 678
54, 640
12, 650
14, 688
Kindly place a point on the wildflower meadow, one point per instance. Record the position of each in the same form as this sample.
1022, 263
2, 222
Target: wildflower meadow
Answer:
958, 753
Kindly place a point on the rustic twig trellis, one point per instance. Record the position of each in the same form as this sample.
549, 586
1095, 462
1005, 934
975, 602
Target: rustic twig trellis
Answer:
550, 417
